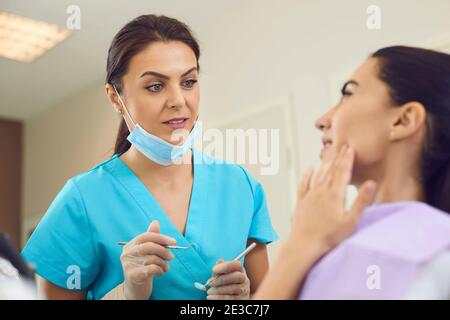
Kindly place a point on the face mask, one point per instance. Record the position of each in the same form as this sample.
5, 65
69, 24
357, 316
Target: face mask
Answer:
155, 148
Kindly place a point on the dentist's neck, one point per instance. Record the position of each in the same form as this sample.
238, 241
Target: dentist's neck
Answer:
143, 166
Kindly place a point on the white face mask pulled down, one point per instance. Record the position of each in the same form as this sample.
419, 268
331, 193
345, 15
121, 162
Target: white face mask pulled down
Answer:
155, 148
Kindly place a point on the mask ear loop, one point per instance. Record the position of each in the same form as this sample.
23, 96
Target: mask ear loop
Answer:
127, 114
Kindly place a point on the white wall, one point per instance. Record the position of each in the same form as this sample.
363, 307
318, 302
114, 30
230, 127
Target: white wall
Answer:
265, 48
259, 50
305, 49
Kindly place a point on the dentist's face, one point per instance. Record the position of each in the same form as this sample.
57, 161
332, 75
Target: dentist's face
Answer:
361, 119
161, 90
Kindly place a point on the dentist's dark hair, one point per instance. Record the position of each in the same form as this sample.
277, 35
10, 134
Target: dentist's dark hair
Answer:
135, 36
423, 76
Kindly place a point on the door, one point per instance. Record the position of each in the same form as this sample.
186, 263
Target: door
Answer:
268, 154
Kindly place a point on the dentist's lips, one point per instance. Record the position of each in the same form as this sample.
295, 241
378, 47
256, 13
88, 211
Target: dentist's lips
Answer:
176, 123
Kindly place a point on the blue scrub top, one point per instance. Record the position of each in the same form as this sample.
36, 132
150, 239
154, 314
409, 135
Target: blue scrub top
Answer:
107, 204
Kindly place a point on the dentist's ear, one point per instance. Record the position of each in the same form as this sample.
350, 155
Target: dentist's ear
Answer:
113, 98
407, 120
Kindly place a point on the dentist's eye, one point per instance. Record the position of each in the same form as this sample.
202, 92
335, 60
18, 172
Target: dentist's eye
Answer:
189, 83
155, 87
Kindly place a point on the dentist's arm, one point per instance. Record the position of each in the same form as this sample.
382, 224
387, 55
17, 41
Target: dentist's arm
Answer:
256, 264
320, 223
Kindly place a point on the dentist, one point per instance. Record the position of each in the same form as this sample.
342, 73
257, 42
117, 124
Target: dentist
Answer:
153, 192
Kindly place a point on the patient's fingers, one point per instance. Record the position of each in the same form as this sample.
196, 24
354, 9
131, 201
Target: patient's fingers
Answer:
366, 196
305, 182
342, 171
324, 170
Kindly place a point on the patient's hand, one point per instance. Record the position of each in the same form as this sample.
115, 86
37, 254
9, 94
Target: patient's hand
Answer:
320, 217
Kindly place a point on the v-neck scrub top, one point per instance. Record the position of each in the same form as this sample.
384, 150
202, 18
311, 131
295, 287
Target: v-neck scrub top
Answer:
108, 204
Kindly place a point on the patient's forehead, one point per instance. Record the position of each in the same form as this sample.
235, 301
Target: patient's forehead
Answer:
367, 72
369, 81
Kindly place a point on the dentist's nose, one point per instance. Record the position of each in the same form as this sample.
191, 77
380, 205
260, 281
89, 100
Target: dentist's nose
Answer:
175, 98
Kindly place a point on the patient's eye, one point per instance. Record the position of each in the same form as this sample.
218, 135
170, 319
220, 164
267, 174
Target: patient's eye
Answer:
345, 91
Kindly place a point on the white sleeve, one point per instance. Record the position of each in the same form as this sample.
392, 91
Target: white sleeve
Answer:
433, 280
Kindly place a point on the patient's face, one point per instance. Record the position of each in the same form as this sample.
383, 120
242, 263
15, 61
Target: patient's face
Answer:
360, 119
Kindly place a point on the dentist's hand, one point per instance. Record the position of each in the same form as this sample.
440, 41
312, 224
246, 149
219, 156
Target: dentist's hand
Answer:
231, 284
320, 217
142, 258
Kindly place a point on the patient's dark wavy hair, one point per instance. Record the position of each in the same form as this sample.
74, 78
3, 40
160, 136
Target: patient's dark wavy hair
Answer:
421, 75
135, 36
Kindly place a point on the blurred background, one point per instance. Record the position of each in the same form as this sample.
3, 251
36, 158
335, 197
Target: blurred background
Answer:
264, 64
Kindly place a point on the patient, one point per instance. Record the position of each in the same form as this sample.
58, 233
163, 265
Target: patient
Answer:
395, 115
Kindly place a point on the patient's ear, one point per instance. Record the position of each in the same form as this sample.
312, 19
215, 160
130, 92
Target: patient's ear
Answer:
407, 120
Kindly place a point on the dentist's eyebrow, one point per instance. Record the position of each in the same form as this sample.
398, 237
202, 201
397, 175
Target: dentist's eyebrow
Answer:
163, 76
189, 71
